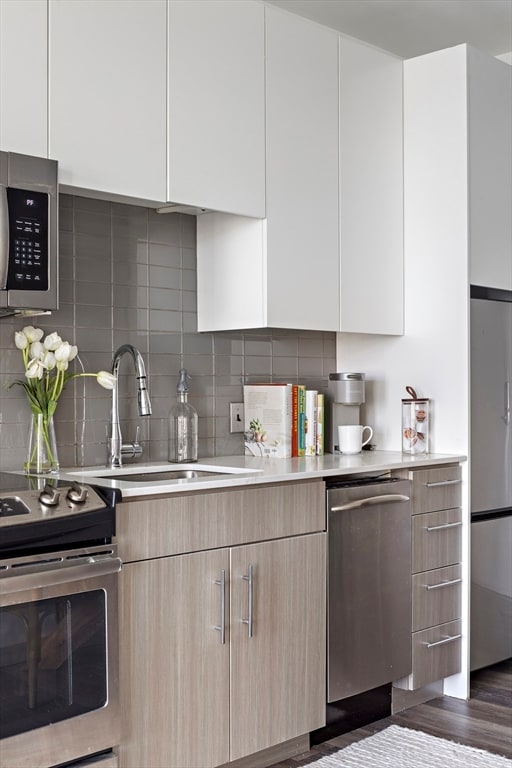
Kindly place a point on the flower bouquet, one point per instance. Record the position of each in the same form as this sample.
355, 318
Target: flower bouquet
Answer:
46, 362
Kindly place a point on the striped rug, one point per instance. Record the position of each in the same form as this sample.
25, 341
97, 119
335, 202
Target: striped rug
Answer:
397, 747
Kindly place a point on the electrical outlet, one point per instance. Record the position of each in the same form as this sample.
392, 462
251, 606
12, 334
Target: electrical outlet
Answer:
236, 417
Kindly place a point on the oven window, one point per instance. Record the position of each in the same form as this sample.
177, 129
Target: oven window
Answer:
53, 660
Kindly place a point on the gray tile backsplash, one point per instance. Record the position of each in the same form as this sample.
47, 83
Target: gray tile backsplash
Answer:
128, 275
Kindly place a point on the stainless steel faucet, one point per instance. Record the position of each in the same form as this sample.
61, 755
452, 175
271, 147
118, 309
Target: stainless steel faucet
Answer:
116, 448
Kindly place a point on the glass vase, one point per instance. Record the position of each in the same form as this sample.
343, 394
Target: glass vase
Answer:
42, 456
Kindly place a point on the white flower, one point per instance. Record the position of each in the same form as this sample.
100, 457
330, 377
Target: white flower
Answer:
34, 370
53, 341
64, 352
33, 334
21, 340
48, 360
36, 351
105, 379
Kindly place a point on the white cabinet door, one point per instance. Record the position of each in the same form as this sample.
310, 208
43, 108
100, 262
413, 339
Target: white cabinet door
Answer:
107, 75
231, 266
283, 272
23, 77
490, 170
371, 190
217, 106
302, 173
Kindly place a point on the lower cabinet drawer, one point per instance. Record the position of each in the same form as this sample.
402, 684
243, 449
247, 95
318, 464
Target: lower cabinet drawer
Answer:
436, 539
434, 489
435, 653
436, 597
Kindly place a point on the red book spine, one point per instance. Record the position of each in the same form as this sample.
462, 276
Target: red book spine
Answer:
302, 419
295, 420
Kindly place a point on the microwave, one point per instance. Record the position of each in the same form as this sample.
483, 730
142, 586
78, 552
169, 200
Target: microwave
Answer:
28, 235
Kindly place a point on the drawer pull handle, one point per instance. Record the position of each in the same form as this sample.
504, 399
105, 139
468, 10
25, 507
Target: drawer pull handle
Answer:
430, 528
443, 482
222, 626
250, 588
443, 584
445, 640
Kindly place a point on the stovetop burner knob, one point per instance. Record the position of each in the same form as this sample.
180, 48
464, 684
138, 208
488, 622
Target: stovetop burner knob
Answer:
49, 496
77, 493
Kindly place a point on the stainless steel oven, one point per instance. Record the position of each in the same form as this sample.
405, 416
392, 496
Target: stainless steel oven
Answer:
59, 692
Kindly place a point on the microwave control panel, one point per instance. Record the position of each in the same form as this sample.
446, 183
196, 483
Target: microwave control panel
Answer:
28, 240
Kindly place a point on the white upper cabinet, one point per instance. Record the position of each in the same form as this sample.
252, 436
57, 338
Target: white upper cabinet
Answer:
108, 95
302, 173
231, 267
283, 272
371, 190
490, 170
466, 157
23, 77
217, 105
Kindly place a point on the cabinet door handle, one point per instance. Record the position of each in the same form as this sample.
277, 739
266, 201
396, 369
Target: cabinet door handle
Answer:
443, 482
445, 640
430, 528
506, 416
222, 626
249, 578
443, 584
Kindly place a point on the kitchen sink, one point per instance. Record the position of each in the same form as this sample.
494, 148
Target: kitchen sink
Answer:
163, 472
169, 474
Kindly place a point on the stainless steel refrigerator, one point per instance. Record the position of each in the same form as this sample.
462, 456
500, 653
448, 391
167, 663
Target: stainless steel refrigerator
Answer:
491, 476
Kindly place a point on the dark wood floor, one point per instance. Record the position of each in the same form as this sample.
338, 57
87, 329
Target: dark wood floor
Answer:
485, 721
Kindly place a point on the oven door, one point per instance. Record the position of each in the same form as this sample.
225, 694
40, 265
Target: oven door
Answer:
59, 686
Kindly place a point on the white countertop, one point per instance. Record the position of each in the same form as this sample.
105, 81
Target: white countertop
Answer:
251, 470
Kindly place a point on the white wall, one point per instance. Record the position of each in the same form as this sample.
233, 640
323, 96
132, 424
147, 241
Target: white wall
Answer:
433, 355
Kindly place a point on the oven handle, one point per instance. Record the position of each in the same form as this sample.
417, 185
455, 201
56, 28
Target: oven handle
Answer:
60, 573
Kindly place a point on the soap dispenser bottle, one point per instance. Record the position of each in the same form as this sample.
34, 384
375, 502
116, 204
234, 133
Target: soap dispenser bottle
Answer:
182, 425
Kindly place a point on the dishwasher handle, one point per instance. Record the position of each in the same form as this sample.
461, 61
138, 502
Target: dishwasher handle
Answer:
387, 498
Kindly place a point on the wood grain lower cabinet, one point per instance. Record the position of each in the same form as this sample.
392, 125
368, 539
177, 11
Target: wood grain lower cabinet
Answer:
174, 669
436, 576
200, 685
435, 653
436, 597
278, 674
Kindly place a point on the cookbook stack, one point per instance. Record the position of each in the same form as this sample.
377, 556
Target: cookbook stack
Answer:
283, 420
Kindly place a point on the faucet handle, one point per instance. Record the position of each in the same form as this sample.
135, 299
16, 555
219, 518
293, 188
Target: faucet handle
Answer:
133, 449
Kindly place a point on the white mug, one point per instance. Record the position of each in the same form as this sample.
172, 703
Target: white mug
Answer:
350, 438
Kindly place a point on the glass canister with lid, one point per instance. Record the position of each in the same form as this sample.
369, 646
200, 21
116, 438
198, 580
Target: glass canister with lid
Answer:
415, 423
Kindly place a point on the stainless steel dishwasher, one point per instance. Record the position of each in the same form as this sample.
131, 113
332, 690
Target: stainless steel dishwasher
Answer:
369, 584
